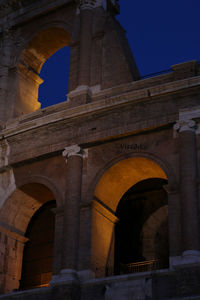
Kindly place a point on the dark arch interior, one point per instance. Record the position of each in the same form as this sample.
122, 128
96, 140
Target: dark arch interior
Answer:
38, 251
134, 209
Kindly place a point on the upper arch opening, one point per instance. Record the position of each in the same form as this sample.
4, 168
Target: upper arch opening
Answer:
41, 47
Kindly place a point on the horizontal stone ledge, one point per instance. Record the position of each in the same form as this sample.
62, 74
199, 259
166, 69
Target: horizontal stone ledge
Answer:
85, 141
30, 11
42, 118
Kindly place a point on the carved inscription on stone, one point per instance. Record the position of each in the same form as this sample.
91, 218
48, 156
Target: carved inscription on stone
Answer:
135, 147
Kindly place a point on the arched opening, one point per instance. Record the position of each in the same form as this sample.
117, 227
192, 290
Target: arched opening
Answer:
38, 251
36, 53
141, 233
128, 197
55, 73
17, 216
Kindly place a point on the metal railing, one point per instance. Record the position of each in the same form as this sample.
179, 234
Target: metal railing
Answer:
142, 266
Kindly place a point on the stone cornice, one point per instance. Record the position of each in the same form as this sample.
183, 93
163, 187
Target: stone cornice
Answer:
9, 18
44, 117
189, 113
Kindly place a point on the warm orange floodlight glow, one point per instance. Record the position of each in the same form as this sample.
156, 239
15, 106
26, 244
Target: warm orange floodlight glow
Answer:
122, 176
32, 58
109, 190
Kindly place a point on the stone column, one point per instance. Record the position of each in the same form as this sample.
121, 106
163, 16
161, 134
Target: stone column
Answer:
188, 188
82, 93
71, 221
86, 22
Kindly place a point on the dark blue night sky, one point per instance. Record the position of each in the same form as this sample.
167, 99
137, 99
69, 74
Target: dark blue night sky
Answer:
160, 33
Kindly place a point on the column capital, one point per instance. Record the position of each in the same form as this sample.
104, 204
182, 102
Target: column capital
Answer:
185, 125
106, 4
74, 150
87, 4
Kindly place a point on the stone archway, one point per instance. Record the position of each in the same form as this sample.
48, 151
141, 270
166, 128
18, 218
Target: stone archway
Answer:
15, 216
96, 43
36, 52
114, 183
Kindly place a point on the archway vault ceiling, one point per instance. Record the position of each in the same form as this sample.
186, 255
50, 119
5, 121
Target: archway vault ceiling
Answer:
22, 204
42, 46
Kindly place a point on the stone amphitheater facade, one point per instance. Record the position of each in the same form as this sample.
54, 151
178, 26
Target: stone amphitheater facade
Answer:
120, 150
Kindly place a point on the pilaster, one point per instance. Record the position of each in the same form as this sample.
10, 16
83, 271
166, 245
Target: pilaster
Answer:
174, 220
188, 190
5, 64
86, 26
58, 239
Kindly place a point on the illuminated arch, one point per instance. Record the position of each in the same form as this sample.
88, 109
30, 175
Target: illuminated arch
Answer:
22, 204
15, 216
122, 176
41, 180
110, 188
42, 46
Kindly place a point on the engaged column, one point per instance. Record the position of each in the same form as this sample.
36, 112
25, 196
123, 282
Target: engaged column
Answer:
188, 188
74, 159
